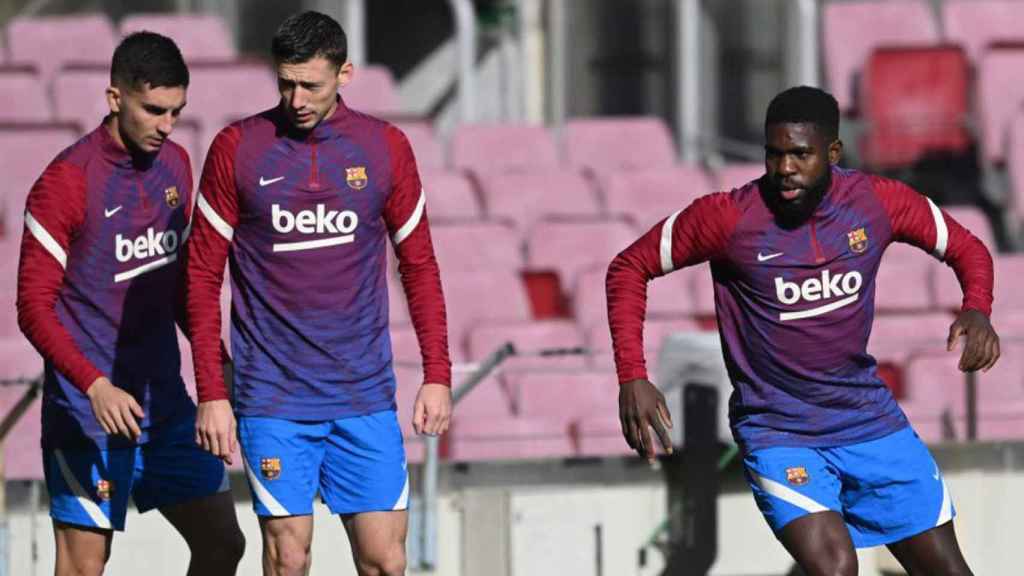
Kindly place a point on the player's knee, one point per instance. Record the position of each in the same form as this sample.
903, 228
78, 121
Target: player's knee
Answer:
231, 547
835, 561
83, 566
385, 563
289, 557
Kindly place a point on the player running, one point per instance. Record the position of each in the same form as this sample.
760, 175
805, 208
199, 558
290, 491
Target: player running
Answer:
99, 285
831, 458
304, 198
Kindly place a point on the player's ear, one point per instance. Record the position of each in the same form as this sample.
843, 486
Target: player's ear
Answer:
114, 99
345, 73
835, 151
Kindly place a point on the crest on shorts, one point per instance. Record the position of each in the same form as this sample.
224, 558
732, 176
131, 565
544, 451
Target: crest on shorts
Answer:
171, 196
270, 468
104, 489
797, 476
858, 240
356, 177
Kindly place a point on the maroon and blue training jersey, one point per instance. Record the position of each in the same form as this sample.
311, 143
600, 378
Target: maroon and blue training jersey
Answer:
795, 306
99, 282
306, 221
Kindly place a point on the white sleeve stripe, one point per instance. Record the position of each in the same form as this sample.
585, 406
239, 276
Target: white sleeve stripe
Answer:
46, 240
211, 215
941, 232
413, 221
666, 243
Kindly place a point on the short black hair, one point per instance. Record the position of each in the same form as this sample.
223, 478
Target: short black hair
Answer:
804, 104
148, 58
306, 35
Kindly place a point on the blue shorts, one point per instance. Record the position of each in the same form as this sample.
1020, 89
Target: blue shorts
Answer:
356, 463
886, 489
90, 487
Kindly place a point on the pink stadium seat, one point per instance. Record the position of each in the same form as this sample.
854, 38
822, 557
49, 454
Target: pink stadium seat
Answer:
408, 384
18, 359
49, 42
852, 30
572, 247
1015, 162
619, 143
914, 102
544, 395
529, 338
526, 197
975, 24
486, 148
251, 85
22, 96
651, 195
1003, 385
1000, 93
24, 153
599, 340
372, 91
1010, 324
903, 280
975, 220
405, 348
669, 296
736, 175
480, 438
429, 151
79, 95
1009, 285
450, 196
600, 435
934, 383
703, 291
896, 337
23, 458
200, 37
479, 297
477, 246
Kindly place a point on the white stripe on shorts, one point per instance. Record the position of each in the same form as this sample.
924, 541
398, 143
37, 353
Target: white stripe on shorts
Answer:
262, 494
94, 511
787, 494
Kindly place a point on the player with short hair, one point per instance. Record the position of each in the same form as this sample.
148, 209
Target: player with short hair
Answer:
100, 285
304, 198
831, 458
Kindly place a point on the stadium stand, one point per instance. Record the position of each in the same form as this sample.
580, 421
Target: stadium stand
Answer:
487, 148
22, 95
735, 175
200, 37
902, 274
1000, 92
426, 147
24, 151
450, 196
372, 91
529, 338
620, 143
1015, 163
651, 195
252, 88
50, 42
79, 95
473, 437
977, 24
529, 196
477, 246
573, 246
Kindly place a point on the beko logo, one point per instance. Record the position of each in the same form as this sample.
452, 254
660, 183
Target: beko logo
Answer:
826, 287
163, 244
339, 225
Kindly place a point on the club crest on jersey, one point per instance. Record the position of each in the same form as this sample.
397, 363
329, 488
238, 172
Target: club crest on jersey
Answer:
356, 177
104, 489
797, 476
270, 468
858, 240
171, 196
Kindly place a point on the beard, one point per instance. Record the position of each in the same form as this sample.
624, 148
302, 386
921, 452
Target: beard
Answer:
790, 214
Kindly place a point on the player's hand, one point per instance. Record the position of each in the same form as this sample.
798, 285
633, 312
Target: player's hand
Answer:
982, 347
433, 409
642, 407
115, 409
216, 429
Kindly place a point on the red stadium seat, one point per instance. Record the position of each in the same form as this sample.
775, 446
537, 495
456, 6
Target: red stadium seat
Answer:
1000, 93
903, 280
607, 145
22, 95
737, 175
24, 152
651, 195
487, 148
529, 339
426, 147
200, 37
49, 42
488, 438
851, 31
976, 24
450, 196
372, 91
914, 102
526, 197
571, 247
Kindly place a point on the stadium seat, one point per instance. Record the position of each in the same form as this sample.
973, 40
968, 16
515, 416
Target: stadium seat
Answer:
514, 438
737, 175
651, 195
408, 381
600, 435
426, 147
251, 85
903, 280
49, 42
22, 452
605, 145
1015, 162
851, 31
450, 196
405, 347
934, 383
526, 197
571, 247
200, 37
914, 102
1010, 323
479, 297
79, 95
488, 148
670, 296
599, 340
1007, 293
398, 308
22, 95
975, 220
477, 246
24, 152
999, 94
976, 24
544, 395
1003, 385
372, 91
529, 339
897, 337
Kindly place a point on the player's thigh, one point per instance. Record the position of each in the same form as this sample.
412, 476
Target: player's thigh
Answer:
820, 543
364, 468
208, 523
81, 550
283, 461
287, 539
377, 538
934, 552
89, 487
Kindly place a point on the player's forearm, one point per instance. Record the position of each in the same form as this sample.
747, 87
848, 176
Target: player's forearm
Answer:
421, 281
972, 262
626, 291
207, 256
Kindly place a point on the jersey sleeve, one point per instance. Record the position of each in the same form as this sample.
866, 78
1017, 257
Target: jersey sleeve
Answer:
699, 233
188, 204
405, 215
213, 227
916, 220
54, 213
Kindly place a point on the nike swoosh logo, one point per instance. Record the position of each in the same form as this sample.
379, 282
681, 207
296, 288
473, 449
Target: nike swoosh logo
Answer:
767, 257
108, 212
270, 181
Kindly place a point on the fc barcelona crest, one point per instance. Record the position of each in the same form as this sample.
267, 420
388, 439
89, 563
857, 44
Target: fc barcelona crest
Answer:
356, 177
171, 196
270, 468
858, 240
797, 476
104, 489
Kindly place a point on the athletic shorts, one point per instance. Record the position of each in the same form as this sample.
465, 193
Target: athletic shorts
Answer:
90, 487
886, 489
357, 464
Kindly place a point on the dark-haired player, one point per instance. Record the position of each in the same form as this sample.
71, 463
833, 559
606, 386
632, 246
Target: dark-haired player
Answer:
99, 289
305, 198
831, 458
